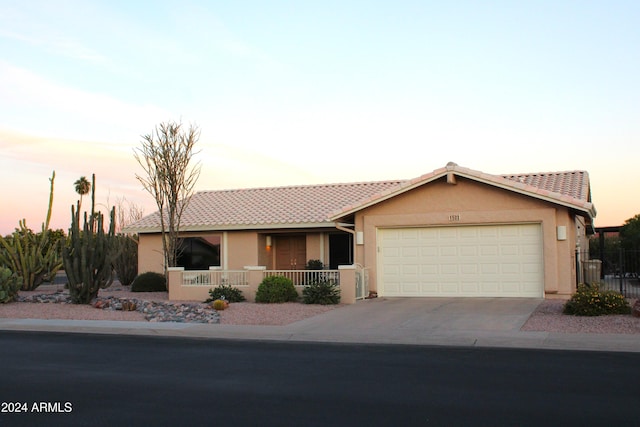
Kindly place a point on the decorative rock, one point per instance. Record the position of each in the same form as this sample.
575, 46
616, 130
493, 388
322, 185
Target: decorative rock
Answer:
153, 311
636, 309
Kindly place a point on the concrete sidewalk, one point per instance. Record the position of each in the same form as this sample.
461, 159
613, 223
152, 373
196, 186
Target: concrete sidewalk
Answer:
469, 322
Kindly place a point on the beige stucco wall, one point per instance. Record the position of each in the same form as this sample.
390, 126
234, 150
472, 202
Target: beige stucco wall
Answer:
150, 256
241, 249
238, 249
473, 203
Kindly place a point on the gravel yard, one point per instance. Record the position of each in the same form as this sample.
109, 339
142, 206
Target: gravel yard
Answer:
547, 316
243, 313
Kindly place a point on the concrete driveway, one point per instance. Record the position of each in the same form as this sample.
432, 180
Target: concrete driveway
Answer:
421, 320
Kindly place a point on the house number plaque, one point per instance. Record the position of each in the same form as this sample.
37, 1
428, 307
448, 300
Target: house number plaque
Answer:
454, 217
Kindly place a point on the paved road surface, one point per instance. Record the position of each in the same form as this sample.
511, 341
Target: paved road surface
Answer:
102, 380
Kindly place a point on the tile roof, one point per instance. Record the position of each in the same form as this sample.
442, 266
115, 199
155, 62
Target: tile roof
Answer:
571, 183
320, 205
304, 205
569, 189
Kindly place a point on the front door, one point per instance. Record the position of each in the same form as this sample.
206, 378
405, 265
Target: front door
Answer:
291, 252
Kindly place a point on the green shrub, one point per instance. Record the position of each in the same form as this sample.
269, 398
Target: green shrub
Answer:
225, 292
9, 285
276, 289
590, 301
324, 292
314, 264
149, 282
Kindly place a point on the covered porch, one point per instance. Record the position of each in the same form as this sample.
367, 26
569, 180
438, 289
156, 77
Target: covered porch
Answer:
194, 285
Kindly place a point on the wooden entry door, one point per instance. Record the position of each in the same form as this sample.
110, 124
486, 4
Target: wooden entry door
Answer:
291, 252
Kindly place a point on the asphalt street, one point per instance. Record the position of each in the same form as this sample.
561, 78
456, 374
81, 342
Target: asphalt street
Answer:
103, 380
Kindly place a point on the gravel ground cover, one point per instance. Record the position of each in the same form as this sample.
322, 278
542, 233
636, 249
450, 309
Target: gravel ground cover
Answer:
52, 304
547, 317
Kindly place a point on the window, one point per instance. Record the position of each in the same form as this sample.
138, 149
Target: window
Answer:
199, 253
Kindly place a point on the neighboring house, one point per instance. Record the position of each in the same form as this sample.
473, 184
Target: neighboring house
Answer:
452, 232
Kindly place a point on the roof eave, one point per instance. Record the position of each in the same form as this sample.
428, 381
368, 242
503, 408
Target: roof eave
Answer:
239, 227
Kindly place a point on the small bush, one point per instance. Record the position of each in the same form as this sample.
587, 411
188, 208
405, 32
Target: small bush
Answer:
590, 301
325, 292
9, 285
314, 264
276, 289
225, 292
149, 282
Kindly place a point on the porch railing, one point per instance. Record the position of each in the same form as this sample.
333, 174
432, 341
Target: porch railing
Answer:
306, 277
362, 282
213, 278
192, 285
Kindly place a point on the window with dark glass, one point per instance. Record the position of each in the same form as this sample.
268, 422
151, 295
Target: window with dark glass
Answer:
199, 253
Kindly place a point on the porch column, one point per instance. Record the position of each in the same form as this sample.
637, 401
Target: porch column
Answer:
254, 278
347, 284
174, 283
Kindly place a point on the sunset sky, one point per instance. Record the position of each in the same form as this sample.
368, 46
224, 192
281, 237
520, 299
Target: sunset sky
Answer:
316, 92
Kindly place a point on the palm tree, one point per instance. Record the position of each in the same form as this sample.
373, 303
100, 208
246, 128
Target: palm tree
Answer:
82, 187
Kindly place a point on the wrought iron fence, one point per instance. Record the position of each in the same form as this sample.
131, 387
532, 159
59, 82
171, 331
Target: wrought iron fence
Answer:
617, 269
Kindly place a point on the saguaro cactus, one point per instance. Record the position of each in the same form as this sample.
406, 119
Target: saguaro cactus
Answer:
88, 255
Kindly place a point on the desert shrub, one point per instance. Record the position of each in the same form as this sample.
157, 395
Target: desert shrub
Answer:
149, 282
9, 285
323, 292
276, 289
591, 301
314, 264
225, 292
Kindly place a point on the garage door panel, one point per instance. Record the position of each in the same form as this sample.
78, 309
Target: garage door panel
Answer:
511, 268
501, 260
509, 250
449, 269
451, 289
469, 269
488, 250
448, 251
489, 287
469, 251
470, 287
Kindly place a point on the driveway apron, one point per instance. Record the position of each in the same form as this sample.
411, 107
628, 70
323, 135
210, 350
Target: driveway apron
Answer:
414, 319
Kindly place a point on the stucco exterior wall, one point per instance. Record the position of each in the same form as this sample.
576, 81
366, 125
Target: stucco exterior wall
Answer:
471, 203
241, 249
314, 247
150, 256
238, 249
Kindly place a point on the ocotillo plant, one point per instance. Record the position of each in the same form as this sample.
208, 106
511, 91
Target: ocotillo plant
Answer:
32, 257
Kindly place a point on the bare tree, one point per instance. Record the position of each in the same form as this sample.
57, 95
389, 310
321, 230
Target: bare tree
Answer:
127, 213
165, 155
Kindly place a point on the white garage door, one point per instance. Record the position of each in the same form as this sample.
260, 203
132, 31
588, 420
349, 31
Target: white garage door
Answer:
470, 261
